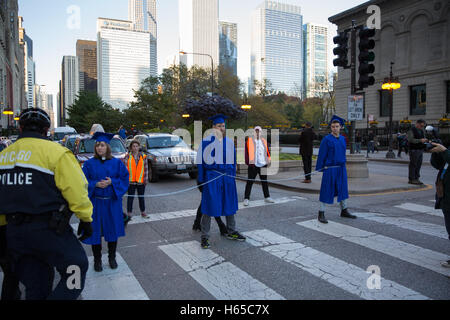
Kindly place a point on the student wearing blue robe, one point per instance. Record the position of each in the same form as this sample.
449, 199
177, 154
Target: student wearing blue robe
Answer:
108, 182
332, 153
217, 156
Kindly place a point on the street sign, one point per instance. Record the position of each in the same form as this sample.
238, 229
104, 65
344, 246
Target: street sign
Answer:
371, 117
355, 107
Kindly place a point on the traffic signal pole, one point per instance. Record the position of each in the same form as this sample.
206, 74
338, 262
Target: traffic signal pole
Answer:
353, 81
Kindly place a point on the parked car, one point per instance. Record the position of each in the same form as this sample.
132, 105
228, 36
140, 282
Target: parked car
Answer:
13, 138
59, 133
4, 143
84, 149
167, 154
70, 141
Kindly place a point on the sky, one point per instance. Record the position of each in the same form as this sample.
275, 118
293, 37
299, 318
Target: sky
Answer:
54, 30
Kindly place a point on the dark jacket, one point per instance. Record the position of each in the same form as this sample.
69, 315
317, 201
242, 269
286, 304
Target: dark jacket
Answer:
438, 161
306, 142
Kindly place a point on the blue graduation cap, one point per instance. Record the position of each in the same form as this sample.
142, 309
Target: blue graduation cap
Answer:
341, 121
103, 137
219, 118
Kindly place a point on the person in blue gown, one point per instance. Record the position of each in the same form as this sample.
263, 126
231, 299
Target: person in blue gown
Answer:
108, 182
216, 162
332, 153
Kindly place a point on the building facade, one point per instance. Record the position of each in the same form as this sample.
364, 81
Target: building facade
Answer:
228, 46
123, 61
413, 35
87, 63
70, 85
199, 25
277, 47
142, 13
29, 66
316, 76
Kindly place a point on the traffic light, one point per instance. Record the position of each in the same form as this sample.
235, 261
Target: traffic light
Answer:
341, 50
365, 57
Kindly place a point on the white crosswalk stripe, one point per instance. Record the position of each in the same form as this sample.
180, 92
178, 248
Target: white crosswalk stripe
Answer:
337, 272
422, 257
404, 223
221, 279
420, 208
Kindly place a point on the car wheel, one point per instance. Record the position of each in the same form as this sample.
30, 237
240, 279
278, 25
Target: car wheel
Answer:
152, 175
193, 175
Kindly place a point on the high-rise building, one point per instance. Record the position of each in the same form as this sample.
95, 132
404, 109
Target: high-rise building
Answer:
70, 85
142, 13
199, 25
316, 77
277, 47
228, 45
29, 66
87, 63
123, 61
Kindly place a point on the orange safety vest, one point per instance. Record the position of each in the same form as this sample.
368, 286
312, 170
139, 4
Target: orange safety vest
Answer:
251, 150
136, 171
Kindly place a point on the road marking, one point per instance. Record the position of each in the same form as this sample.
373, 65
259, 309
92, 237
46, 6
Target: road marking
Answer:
337, 272
421, 257
221, 279
404, 223
119, 284
422, 209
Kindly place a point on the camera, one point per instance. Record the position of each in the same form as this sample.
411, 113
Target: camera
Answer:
433, 137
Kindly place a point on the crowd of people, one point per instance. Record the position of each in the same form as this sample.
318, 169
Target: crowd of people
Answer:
36, 237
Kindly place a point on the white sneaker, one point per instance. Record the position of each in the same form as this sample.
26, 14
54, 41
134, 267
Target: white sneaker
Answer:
269, 200
246, 202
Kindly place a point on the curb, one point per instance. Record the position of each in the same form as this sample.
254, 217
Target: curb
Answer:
426, 163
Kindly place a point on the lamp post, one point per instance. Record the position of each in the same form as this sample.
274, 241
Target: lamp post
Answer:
391, 84
212, 66
247, 108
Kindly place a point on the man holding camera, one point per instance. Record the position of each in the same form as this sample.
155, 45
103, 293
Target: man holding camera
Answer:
416, 140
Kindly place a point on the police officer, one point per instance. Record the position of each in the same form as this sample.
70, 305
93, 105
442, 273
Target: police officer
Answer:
44, 184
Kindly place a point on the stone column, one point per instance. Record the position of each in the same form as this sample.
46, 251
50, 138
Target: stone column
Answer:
357, 166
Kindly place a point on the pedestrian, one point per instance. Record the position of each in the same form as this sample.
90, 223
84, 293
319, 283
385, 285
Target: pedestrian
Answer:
198, 219
108, 182
402, 144
123, 133
38, 232
376, 144
371, 142
10, 287
416, 142
137, 166
440, 160
257, 158
306, 141
332, 153
216, 161
358, 142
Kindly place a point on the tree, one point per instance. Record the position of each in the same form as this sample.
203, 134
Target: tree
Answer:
263, 88
207, 106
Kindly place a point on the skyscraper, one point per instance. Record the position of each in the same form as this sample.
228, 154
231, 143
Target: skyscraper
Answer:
142, 13
70, 85
123, 60
87, 62
199, 25
316, 80
228, 45
277, 46
29, 67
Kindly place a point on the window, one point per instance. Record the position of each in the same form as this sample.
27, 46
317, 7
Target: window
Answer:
384, 103
448, 96
418, 100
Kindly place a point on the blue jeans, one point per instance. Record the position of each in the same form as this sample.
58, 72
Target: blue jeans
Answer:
358, 147
371, 146
36, 251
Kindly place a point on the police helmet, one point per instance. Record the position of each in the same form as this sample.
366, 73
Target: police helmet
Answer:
34, 117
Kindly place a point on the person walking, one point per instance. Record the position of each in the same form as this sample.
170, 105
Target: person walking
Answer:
440, 160
332, 153
257, 158
137, 166
402, 144
416, 142
371, 142
216, 161
358, 140
38, 233
306, 141
108, 180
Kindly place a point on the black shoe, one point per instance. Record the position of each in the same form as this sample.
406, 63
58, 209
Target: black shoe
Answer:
346, 214
98, 265
205, 243
223, 230
236, 236
196, 227
126, 219
321, 217
113, 263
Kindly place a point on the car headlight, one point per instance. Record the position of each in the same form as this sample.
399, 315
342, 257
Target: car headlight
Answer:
162, 159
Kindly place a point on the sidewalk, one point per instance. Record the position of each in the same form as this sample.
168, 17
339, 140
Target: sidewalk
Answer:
377, 183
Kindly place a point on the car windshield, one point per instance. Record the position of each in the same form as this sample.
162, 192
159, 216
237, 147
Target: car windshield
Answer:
165, 142
87, 146
70, 144
59, 135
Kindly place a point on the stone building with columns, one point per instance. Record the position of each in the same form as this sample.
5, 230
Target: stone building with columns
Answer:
414, 35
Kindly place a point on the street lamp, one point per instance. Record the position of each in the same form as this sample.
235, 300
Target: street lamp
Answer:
247, 108
212, 66
185, 116
391, 84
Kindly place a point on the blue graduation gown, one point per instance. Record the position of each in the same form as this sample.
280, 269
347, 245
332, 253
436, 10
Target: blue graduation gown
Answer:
108, 214
334, 181
219, 198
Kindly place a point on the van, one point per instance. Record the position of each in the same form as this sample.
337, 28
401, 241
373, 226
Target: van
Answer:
59, 133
